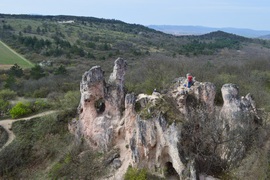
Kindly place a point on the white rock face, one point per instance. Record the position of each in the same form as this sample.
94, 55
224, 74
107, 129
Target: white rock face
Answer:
238, 116
148, 129
100, 106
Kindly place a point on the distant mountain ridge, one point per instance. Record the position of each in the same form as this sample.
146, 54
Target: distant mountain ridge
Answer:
199, 30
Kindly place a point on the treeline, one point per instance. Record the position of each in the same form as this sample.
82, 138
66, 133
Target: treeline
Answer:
49, 47
197, 47
33, 43
17, 79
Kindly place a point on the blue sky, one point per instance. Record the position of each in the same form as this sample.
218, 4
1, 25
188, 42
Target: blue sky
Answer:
251, 14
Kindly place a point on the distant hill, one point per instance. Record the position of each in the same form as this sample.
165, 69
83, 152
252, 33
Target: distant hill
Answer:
76, 40
199, 30
69, 38
265, 37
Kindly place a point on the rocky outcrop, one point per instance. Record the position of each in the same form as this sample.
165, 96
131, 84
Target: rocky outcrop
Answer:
161, 132
237, 111
153, 141
239, 118
100, 105
199, 96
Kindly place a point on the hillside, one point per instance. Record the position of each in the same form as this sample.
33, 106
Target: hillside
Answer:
69, 38
199, 30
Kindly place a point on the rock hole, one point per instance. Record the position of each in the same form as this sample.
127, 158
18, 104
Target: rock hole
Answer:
138, 107
191, 100
100, 106
170, 172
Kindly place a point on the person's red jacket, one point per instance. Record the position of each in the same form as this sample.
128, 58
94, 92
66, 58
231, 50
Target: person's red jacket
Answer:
189, 78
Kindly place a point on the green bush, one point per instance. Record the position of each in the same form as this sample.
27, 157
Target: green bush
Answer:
4, 105
41, 93
37, 72
16, 71
56, 167
39, 105
135, 174
7, 94
20, 109
71, 100
60, 70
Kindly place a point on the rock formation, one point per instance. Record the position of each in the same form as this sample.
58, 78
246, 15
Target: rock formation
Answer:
100, 105
239, 116
161, 131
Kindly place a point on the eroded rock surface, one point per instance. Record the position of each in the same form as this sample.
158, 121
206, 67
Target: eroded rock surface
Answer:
100, 105
238, 116
160, 132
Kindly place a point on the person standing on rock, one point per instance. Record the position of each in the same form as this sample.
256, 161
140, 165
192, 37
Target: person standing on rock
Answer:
189, 80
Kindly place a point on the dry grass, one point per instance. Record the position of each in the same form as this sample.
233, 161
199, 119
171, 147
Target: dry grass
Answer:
5, 66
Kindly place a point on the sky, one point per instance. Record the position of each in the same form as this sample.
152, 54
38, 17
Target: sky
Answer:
250, 14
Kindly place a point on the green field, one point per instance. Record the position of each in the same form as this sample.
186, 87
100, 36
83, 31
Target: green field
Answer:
9, 57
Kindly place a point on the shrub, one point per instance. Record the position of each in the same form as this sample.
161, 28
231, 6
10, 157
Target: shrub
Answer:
71, 100
60, 70
40, 105
7, 94
41, 93
3, 136
37, 72
16, 70
20, 109
4, 105
54, 99
135, 174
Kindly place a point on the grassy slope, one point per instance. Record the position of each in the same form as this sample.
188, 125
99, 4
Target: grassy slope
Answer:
10, 57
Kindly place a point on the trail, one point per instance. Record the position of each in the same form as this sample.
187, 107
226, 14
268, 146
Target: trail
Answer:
17, 54
7, 124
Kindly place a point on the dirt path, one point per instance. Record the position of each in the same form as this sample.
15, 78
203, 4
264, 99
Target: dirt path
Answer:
7, 124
